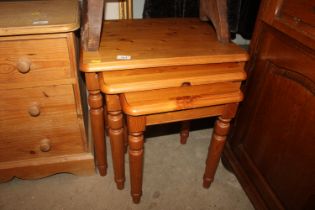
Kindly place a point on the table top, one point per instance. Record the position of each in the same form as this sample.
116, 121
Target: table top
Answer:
38, 17
174, 99
114, 82
144, 43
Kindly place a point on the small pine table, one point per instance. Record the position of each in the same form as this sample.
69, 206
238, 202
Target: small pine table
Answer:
152, 54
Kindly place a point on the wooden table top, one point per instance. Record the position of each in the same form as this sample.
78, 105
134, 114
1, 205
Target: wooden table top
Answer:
132, 44
174, 99
38, 17
114, 82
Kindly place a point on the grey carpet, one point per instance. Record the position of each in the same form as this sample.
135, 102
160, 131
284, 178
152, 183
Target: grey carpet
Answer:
172, 180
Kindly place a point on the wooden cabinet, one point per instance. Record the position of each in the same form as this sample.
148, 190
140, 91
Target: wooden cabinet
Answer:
272, 146
42, 128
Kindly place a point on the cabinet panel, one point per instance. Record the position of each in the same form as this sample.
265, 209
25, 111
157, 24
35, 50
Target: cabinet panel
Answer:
281, 138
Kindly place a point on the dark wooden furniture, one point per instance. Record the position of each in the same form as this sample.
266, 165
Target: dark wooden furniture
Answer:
42, 129
272, 146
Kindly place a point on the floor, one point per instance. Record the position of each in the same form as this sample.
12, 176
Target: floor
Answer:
172, 180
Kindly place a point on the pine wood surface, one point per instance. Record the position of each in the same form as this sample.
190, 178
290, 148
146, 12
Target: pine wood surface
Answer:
156, 43
136, 128
172, 99
79, 164
165, 55
48, 58
113, 82
96, 111
22, 133
38, 17
178, 116
53, 140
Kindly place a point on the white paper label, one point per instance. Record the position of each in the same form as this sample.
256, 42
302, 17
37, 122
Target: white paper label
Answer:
123, 57
40, 22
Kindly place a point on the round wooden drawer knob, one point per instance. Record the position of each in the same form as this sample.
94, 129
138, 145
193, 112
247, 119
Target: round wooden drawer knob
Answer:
45, 145
23, 65
34, 110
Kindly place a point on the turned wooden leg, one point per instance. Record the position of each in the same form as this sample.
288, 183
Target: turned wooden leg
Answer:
136, 127
95, 100
184, 133
220, 132
116, 134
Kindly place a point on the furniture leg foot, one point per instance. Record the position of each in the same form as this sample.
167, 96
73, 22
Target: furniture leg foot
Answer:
206, 182
102, 170
120, 184
136, 198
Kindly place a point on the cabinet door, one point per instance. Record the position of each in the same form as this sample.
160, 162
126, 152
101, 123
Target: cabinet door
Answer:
273, 141
278, 140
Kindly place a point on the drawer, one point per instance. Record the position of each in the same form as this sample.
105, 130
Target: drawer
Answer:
34, 61
39, 122
301, 12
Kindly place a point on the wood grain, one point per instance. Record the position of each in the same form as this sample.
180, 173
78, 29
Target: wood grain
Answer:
115, 122
182, 115
220, 131
156, 43
273, 138
79, 89
113, 82
21, 133
92, 18
173, 104
49, 61
79, 164
38, 17
172, 99
217, 12
42, 130
95, 100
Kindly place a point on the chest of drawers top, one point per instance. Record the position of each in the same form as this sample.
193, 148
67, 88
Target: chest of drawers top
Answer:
38, 17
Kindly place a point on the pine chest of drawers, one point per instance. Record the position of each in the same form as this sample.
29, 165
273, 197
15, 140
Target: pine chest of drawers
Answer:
42, 126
